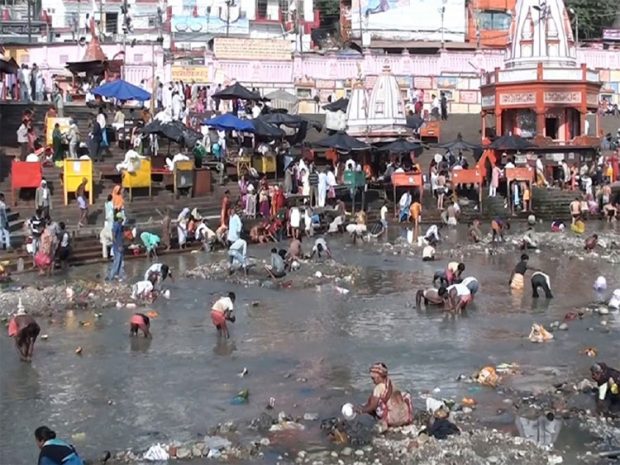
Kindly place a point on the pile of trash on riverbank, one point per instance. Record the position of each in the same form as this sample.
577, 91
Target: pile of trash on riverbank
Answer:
48, 300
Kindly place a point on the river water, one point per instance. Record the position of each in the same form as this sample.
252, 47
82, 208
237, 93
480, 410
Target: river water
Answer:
130, 393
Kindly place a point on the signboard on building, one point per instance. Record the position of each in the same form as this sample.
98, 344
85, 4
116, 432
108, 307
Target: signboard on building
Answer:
409, 19
209, 16
232, 48
611, 34
198, 74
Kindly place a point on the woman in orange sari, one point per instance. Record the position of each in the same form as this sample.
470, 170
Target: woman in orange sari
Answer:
391, 407
118, 203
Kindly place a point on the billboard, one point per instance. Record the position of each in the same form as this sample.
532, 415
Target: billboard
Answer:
209, 16
409, 19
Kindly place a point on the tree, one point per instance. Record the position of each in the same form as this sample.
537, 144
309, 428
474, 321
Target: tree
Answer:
330, 10
592, 16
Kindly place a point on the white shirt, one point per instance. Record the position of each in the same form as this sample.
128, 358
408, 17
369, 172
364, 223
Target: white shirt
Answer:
544, 275
405, 200
461, 289
320, 241
203, 231
141, 288
222, 305
432, 231
101, 120
295, 217
509, 165
154, 268
428, 252
384, 212
469, 279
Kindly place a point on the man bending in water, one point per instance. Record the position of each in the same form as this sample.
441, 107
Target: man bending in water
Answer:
159, 272
456, 297
498, 226
25, 330
320, 246
474, 233
139, 321
431, 297
221, 312
540, 279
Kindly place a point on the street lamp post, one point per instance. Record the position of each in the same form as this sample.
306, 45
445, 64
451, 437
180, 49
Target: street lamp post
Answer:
443, 12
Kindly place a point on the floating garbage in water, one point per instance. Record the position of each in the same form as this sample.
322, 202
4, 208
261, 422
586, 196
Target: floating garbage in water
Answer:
119, 305
78, 351
44, 337
166, 294
539, 334
318, 275
78, 436
156, 452
487, 376
342, 290
152, 314
348, 412
600, 284
130, 305
69, 293
243, 373
590, 352
241, 398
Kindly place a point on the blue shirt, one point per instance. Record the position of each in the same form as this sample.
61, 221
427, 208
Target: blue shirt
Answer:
234, 228
117, 237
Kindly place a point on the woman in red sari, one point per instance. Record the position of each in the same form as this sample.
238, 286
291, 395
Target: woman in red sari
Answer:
278, 202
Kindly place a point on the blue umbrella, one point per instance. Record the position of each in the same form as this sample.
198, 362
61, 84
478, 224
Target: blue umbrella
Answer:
229, 122
122, 90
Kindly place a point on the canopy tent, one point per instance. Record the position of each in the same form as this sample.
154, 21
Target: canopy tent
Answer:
342, 142
511, 142
339, 105
292, 121
263, 129
282, 99
121, 90
174, 131
401, 146
229, 122
458, 145
236, 91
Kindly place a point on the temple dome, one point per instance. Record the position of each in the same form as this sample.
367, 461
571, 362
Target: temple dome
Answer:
357, 114
541, 33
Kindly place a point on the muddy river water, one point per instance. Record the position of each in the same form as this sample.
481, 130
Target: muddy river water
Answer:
308, 348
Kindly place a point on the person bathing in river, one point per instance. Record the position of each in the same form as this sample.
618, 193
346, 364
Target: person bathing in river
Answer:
474, 234
54, 451
456, 297
428, 253
540, 279
498, 226
277, 268
432, 236
140, 322
608, 381
320, 247
294, 251
387, 404
221, 312
449, 276
529, 240
145, 290
591, 243
25, 330
472, 284
430, 296
517, 277
157, 273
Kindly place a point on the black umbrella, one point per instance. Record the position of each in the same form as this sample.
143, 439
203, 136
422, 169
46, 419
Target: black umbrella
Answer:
458, 145
414, 121
174, 131
9, 66
401, 146
237, 91
343, 142
511, 142
292, 121
339, 105
266, 130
